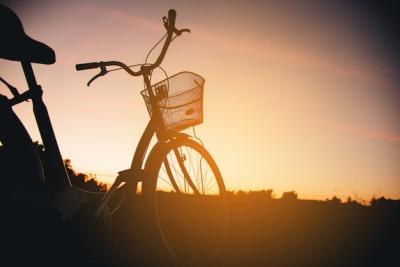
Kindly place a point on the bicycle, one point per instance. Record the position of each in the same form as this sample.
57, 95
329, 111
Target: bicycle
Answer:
178, 177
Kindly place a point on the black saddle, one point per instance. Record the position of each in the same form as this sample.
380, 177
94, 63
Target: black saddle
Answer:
16, 45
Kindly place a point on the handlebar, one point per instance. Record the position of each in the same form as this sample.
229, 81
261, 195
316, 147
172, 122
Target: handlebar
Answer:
87, 66
169, 24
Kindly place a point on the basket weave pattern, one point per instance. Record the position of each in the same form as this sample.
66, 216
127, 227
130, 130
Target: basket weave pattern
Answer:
179, 99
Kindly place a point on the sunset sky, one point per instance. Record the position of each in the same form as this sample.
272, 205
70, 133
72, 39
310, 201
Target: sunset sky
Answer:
299, 95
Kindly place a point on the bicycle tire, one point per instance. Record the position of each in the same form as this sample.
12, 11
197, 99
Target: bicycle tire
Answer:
199, 217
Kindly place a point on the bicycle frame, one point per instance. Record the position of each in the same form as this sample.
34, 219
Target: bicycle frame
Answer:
136, 172
57, 178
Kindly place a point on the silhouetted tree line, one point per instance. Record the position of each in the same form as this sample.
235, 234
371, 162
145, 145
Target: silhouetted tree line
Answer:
90, 182
263, 230
291, 196
82, 180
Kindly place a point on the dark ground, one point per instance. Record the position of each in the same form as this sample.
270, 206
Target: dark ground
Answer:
261, 232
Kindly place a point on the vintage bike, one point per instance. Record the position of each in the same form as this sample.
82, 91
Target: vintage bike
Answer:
178, 180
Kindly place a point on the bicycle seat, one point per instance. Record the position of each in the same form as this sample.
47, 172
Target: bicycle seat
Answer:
16, 45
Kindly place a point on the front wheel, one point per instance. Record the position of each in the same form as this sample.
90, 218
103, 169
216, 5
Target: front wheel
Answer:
188, 200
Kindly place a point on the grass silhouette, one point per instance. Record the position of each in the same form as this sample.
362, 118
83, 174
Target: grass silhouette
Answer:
262, 231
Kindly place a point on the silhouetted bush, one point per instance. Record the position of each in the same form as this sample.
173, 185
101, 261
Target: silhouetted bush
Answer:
259, 194
289, 196
82, 180
384, 202
334, 200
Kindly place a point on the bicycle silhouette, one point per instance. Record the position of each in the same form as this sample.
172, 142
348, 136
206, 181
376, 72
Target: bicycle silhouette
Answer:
181, 185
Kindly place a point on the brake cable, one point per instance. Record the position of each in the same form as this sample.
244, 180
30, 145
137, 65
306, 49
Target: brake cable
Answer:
12, 89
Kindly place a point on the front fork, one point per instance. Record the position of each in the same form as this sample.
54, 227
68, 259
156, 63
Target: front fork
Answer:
127, 179
130, 178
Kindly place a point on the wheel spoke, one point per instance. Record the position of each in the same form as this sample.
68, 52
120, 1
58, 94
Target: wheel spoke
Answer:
185, 172
201, 176
165, 180
176, 171
171, 177
191, 163
205, 177
212, 183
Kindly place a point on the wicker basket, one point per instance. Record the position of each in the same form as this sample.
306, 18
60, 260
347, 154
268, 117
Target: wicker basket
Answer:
179, 99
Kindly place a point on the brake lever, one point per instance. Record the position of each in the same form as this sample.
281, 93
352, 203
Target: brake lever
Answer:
165, 20
103, 71
176, 31
179, 32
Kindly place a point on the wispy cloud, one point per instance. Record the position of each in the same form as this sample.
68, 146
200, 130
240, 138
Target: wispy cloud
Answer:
371, 133
119, 15
376, 73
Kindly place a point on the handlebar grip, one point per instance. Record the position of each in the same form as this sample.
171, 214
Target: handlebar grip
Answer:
171, 18
87, 66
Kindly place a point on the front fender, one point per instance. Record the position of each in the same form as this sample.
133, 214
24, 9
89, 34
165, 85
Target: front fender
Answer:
172, 135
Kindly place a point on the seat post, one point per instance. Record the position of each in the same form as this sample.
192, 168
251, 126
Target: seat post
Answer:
57, 176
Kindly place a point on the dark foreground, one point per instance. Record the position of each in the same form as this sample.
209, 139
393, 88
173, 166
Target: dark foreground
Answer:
261, 232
